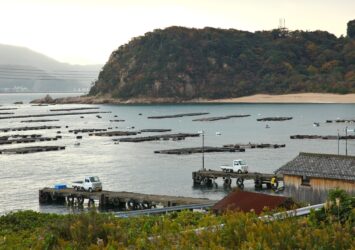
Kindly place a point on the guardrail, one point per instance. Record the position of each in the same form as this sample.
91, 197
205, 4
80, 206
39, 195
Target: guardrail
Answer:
162, 210
292, 213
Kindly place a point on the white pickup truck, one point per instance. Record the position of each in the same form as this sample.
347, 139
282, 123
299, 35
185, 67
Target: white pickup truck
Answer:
90, 183
239, 166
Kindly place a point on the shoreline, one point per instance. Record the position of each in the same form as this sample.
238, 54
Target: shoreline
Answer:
259, 98
291, 98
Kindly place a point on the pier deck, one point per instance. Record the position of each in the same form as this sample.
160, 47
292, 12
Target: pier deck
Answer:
207, 177
123, 200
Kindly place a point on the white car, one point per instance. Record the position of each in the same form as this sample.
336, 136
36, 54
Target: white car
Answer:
91, 183
239, 166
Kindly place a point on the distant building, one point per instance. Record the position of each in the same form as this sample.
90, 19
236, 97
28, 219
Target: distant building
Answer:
251, 201
309, 176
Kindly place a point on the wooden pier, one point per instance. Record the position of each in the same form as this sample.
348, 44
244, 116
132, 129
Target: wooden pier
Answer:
208, 177
110, 199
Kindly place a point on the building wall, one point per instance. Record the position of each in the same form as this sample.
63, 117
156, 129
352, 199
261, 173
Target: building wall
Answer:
317, 190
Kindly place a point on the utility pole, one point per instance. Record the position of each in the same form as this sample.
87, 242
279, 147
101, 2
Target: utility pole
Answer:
338, 141
203, 150
346, 140
201, 132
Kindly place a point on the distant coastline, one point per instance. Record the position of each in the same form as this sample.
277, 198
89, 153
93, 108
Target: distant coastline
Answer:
259, 98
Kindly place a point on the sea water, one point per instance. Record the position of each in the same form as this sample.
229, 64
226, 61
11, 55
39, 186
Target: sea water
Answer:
134, 167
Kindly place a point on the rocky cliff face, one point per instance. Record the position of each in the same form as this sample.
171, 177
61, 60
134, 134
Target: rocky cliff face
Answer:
184, 64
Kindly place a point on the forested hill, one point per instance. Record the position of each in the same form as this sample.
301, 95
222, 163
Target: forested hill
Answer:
185, 63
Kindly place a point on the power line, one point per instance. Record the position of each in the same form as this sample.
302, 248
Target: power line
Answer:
45, 72
40, 70
56, 79
44, 75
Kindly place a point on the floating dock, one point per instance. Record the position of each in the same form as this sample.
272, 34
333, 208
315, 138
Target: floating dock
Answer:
165, 137
87, 130
27, 140
27, 150
211, 119
208, 177
73, 109
114, 133
110, 199
176, 116
184, 151
55, 114
27, 128
254, 145
341, 121
266, 119
44, 120
324, 137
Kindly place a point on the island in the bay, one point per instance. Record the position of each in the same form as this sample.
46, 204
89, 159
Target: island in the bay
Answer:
182, 64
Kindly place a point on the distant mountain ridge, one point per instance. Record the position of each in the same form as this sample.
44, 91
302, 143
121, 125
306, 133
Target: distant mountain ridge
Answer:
23, 70
183, 64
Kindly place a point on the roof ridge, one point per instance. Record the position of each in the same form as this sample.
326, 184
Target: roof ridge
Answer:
329, 155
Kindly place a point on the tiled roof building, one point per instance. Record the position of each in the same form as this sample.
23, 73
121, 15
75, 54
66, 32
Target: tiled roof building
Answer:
310, 176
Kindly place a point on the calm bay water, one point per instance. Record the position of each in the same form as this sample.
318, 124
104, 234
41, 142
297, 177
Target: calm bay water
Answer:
134, 167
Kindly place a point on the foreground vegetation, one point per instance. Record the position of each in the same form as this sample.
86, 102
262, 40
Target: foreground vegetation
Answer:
185, 63
330, 228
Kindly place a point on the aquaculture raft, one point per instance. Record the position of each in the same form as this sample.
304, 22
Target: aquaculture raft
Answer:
107, 199
27, 150
184, 151
165, 137
208, 177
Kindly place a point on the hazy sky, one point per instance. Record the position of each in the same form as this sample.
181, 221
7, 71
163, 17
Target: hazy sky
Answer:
87, 31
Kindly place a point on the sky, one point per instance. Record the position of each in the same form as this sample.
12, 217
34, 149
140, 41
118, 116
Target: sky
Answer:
87, 31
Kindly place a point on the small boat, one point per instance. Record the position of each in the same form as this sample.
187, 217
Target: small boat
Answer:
218, 133
267, 126
77, 144
316, 124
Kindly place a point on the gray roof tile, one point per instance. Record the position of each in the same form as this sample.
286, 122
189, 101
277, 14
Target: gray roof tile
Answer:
321, 166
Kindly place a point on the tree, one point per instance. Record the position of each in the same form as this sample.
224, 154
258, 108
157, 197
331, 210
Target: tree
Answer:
351, 29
